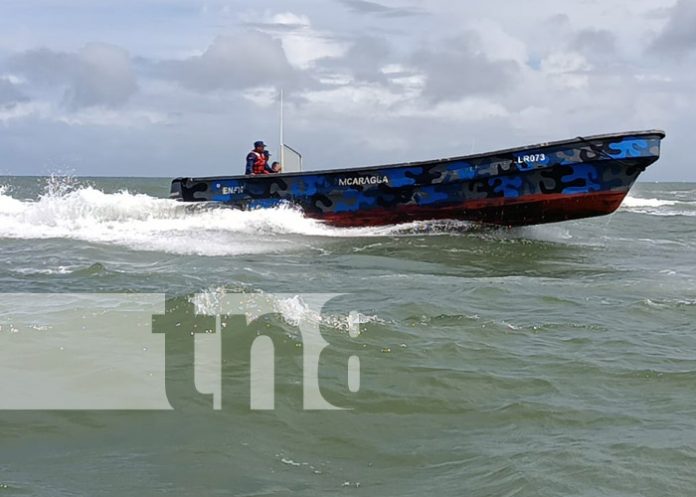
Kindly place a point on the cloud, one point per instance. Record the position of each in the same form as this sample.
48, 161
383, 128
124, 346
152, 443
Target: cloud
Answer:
10, 94
365, 60
96, 116
303, 45
234, 62
594, 42
97, 75
679, 34
285, 21
21, 110
567, 70
104, 77
459, 68
374, 8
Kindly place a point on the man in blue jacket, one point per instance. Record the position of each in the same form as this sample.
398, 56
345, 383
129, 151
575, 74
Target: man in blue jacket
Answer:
257, 160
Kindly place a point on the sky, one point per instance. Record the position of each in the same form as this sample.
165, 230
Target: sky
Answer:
183, 88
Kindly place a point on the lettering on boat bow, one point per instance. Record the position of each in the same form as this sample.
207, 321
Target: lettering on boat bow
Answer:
232, 190
532, 158
363, 181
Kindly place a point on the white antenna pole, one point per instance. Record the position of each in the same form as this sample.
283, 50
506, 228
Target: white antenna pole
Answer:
282, 138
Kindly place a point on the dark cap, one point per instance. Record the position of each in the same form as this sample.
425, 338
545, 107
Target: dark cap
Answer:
259, 144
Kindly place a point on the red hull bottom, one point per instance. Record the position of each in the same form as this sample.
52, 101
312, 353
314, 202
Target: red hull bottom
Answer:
527, 210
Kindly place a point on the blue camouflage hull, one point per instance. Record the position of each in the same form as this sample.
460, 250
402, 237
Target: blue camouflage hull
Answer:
543, 183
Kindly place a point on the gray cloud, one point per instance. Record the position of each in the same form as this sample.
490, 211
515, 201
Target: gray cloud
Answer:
104, 76
594, 42
10, 94
282, 27
99, 74
364, 59
234, 62
679, 34
458, 68
368, 7
558, 20
45, 67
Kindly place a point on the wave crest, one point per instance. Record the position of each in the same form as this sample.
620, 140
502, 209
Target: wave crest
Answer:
70, 210
143, 222
658, 206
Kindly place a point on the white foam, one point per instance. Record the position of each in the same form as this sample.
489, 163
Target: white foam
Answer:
646, 202
546, 233
658, 207
142, 222
46, 271
7, 203
293, 309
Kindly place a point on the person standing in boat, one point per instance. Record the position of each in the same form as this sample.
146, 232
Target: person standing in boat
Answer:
257, 160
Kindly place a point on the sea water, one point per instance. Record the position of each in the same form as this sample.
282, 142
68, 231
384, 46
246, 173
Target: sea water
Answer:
549, 360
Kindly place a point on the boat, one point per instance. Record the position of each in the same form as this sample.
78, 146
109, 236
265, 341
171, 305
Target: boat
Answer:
549, 182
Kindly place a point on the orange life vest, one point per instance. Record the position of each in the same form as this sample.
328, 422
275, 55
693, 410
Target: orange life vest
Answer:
260, 164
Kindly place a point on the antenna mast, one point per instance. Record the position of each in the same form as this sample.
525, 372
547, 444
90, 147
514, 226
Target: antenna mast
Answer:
282, 138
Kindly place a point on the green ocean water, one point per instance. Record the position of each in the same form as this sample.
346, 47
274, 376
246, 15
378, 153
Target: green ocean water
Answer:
543, 361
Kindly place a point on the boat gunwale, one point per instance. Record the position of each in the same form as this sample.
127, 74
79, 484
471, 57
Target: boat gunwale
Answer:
360, 169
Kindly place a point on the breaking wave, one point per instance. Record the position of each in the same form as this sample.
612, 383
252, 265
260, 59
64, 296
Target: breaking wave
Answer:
141, 222
292, 308
659, 207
